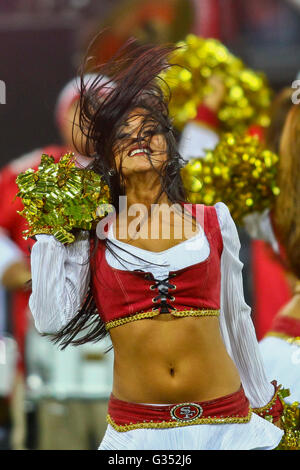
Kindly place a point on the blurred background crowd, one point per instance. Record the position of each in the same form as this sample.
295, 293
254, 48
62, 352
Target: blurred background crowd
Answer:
52, 399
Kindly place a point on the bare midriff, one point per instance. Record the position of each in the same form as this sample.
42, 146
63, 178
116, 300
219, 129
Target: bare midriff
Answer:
172, 360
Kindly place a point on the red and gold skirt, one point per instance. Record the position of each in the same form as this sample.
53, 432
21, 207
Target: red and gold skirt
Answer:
124, 416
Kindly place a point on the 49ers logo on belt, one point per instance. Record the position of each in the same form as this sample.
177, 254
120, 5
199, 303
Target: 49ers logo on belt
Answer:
186, 412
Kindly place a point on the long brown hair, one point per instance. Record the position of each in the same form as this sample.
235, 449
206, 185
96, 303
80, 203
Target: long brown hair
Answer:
280, 107
287, 206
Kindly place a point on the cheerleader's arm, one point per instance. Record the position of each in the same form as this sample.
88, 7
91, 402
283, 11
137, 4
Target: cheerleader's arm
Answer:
235, 320
60, 280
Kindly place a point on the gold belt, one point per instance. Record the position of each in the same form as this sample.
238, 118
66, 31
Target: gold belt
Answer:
155, 312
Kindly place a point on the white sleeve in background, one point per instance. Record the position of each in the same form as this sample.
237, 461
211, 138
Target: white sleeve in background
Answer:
195, 139
282, 361
235, 320
259, 226
60, 279
9, 253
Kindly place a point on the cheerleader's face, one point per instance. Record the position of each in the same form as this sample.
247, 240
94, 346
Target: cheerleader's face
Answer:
140, 144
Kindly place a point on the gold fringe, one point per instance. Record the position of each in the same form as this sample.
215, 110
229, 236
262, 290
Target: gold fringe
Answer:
175, 424
137, 316
154, 313
196, 313
295, 340
290, 422
269, 405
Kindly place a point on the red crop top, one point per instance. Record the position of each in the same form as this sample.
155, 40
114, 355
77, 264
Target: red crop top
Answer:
124, 296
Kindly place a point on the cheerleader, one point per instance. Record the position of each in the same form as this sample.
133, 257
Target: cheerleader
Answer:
280, 347
187, 369
267, 268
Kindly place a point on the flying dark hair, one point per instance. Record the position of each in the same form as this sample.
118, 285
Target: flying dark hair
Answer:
128, 82
287, 206
128, 86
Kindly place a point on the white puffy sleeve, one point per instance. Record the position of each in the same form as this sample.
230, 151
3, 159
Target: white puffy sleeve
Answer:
235, 320
195, 139
60, 279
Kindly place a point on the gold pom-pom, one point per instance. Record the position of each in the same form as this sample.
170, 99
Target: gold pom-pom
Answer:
60, 197
239, 172
290, 422
248, 94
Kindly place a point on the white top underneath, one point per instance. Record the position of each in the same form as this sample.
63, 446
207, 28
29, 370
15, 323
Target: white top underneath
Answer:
194, 250
282, 360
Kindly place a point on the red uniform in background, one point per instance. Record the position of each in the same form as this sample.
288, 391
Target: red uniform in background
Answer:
13, 224
270, 286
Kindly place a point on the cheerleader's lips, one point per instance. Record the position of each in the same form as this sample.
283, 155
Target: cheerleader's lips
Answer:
139, 151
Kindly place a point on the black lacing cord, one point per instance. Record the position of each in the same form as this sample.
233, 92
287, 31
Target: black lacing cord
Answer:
163, 287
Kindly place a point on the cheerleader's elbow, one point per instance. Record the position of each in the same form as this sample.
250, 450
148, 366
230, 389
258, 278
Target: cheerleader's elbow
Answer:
45, 321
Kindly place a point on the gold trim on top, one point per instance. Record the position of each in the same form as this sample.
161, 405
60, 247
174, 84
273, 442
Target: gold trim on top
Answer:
137, 316
155, 312
262, 410
290, 339
196, 313
175, 424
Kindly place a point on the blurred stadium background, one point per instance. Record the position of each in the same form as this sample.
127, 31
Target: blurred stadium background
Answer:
42, 43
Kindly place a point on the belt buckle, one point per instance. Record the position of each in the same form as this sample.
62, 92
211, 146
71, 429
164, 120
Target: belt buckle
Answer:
186, 412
